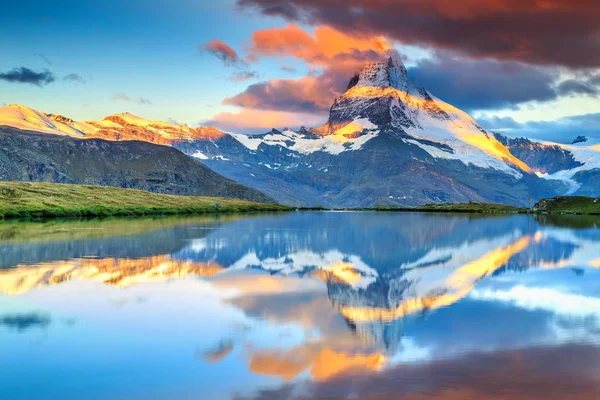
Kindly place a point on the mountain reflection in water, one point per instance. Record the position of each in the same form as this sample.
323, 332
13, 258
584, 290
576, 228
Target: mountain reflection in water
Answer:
302, 305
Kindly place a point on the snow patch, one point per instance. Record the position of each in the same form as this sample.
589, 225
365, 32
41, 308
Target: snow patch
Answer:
199, 155
333, 144
585, 153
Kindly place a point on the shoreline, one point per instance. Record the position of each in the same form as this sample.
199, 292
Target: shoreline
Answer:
40, 200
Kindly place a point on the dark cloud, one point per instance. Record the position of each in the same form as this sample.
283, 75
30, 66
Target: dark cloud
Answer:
223, 52
334, 57
573, 87
143, 101
43, 57
243, 76
594, 80
495, 123
74, 78
223, 349
531, 373
562, 130
26, 75
22, 322
543, 32
468, 85
485, 84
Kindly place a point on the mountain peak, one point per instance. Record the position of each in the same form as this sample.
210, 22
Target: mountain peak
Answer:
389, 72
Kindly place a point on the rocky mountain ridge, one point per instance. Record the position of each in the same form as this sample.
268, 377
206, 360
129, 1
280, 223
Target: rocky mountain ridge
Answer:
37, 157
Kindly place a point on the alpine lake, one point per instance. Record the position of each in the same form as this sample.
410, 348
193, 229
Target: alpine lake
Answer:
301, 305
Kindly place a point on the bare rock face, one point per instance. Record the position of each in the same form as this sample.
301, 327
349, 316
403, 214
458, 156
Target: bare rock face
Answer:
547, 159
61, 118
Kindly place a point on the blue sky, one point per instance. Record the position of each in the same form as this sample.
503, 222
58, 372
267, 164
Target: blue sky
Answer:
149, 52
143, 49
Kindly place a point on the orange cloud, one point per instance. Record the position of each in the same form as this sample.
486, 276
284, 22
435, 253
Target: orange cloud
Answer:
321, 48
332, 57
261, 121
308, 94
528, 31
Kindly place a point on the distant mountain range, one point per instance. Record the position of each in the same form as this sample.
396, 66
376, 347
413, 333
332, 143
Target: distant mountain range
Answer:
387, 142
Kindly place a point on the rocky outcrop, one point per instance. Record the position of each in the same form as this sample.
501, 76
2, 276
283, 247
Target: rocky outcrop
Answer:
544, 158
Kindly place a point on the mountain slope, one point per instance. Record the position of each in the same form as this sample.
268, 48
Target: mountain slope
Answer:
386, 142
577, 165
36, 157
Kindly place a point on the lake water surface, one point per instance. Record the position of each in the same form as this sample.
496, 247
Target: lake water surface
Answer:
301, 306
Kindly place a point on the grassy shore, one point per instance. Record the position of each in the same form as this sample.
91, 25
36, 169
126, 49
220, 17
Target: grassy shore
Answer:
51, 200
472, 207
577, 205
41, 200
569, 205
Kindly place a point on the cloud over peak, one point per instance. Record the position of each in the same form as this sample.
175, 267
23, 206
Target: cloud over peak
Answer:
331, 56
26, 75
541, 32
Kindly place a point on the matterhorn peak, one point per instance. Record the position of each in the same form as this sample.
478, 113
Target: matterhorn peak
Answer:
396, 68
389, 72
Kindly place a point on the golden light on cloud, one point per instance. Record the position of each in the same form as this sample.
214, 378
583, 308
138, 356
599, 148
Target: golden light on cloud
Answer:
595, 263
266, 120
319, 48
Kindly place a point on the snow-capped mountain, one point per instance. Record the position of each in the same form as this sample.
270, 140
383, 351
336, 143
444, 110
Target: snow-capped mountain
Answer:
576, 164
387, 142
122, 126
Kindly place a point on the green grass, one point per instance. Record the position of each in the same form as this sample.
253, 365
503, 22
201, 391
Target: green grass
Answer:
569, 205
471, 207
556, 205
51, 200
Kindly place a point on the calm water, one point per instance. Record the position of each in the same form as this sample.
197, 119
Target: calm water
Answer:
301, 305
